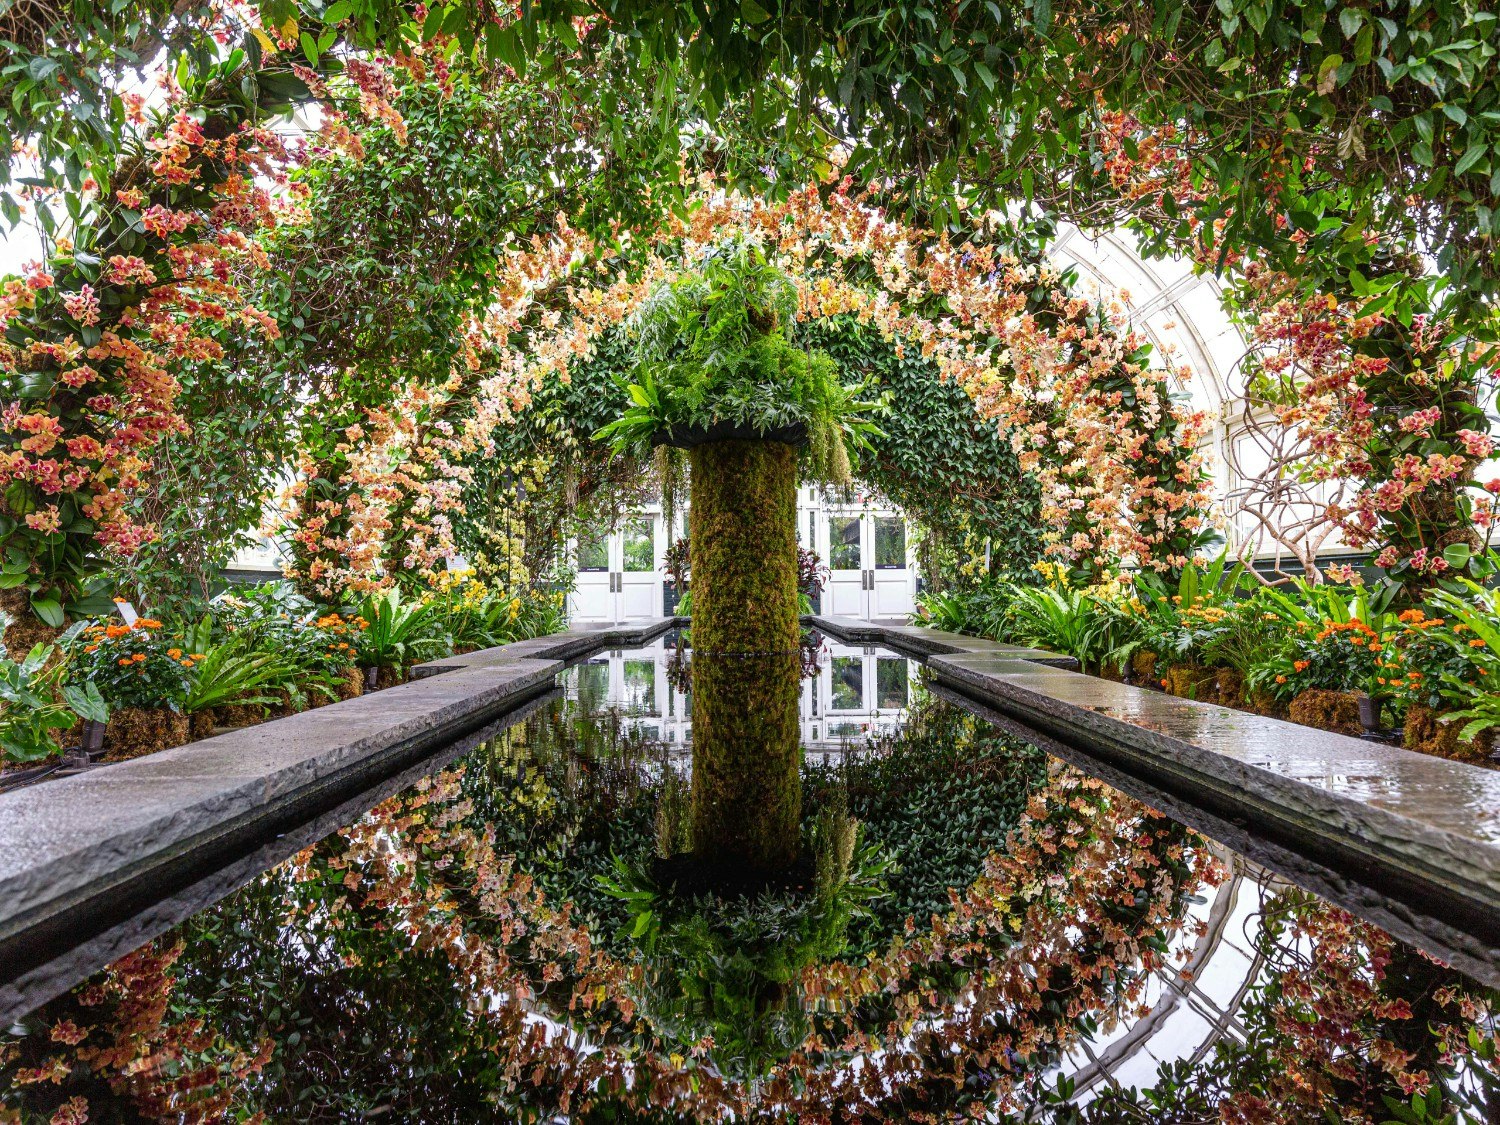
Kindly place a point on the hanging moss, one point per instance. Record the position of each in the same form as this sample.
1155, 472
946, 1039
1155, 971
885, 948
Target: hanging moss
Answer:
747, 756
743, 535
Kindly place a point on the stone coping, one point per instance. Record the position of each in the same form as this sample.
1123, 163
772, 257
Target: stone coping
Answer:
1421, 830
82, 855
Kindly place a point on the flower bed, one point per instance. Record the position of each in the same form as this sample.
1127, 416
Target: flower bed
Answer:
1320, 655
254, 654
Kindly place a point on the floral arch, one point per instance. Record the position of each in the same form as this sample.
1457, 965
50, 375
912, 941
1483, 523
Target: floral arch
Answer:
1117, 459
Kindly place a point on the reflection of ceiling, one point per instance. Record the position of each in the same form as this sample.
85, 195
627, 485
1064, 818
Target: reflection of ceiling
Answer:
1192, 1004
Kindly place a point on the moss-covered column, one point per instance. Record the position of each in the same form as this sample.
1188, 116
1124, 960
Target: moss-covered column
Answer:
747, 791
742, 533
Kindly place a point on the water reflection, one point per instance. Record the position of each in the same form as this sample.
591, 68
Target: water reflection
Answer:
969, 929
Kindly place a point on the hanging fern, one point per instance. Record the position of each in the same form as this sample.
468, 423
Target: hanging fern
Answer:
713, 348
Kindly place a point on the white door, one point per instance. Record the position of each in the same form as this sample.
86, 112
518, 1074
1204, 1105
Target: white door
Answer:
844, 596
890, 591
619, 575
594, 590
870, 572
638, 587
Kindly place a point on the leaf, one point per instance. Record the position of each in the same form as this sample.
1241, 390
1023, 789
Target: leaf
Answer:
49, 610
338, 12
1470, 158
1328, 73
1457, 555
1350, 21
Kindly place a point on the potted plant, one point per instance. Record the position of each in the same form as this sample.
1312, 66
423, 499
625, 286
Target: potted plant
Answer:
1320, 673
231, 674
392, 634
36, 705
144, 677
1447, 668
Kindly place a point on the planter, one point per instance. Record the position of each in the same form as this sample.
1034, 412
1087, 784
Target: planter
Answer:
91, 738
136, 731
1424, 731
1143, 667
1229, 683
1192, 681
1336, 711
201, 723
689, 437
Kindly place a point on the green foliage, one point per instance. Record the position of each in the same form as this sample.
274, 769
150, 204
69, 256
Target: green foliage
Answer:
1473, 635
35, 704
230, 672
137, 665
948, 470
713, 348
1337, 657
397, 632
934, 800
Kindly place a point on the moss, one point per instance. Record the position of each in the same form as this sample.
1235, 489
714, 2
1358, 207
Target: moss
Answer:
747, 756
241, 714
1192, 681
743, 536
25, 630
1143, 664
136, 731
201, 723
1230, 685
1424, 731
1337, 711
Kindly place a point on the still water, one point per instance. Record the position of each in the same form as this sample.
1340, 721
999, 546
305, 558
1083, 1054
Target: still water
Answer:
962, 929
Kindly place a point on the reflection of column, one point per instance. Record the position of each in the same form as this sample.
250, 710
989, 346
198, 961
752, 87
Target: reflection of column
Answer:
747, 785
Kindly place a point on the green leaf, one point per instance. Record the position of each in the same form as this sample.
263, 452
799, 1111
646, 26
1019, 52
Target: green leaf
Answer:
49, 610
1470, 158
1350, 21
1328, 73
1457, 555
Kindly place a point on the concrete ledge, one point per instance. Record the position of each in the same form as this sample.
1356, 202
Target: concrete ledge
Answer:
1422, 832
83, 855
580, 640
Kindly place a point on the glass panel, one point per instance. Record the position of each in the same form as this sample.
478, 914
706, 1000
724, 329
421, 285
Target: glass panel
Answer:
890, 543
890, 683
593, 551
640, 687
843, 543
848, 683
640, 553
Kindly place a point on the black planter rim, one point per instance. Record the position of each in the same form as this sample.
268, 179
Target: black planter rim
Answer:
686, 437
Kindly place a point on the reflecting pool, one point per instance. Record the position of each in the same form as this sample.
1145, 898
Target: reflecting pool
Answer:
954, 926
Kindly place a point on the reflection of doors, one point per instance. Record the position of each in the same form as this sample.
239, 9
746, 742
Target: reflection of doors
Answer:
870, 574
618, 575
859, 688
